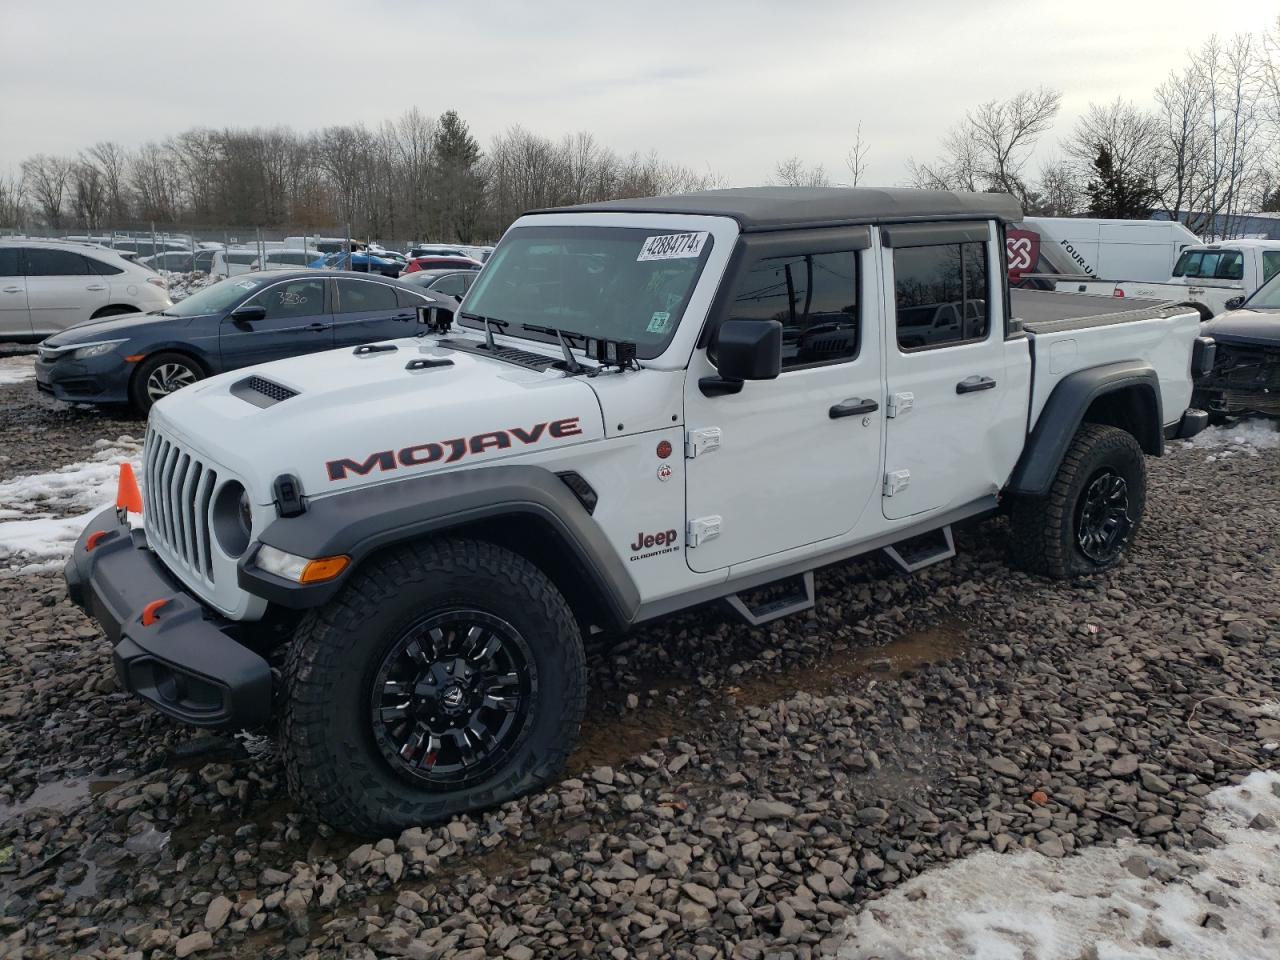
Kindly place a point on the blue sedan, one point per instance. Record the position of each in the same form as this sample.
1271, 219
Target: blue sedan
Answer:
138, 358
359, 262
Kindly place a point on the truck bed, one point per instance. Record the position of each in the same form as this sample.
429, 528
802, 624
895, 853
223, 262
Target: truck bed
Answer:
1045, 311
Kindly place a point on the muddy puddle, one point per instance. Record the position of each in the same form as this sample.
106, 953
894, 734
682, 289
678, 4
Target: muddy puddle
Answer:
58, 796
609, 739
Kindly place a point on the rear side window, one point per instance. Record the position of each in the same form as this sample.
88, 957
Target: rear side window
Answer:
359, 296
1210, 265
10, 262
452, 286
43, 262
814, 297
407, 299
940, 295
103, 269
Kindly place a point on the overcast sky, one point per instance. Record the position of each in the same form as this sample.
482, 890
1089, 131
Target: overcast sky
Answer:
730, 87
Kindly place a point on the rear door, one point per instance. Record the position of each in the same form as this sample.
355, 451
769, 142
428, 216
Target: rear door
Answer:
297, 322
62, 289
366, 310
15, 319
950, 408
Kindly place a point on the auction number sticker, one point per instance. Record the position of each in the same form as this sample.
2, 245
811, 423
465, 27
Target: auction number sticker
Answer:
673, 246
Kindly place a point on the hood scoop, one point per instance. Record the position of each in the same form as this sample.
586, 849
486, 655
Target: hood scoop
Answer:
261, 392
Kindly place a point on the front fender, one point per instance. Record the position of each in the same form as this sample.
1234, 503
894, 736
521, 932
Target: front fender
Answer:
361, 521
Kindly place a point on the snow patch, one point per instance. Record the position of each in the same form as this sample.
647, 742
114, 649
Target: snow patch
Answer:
183, 285
17, 369
1244, 437
43, 514
1028, 907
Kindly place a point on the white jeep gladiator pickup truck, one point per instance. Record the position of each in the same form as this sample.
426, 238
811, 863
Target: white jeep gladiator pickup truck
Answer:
1211, 277
394, 552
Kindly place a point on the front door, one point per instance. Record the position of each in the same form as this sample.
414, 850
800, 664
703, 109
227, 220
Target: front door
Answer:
366, 311
15, 320
946, 388
798, 458
62, 289
297, 322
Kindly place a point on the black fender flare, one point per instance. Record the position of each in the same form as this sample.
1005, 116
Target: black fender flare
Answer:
1064, 412
361, 521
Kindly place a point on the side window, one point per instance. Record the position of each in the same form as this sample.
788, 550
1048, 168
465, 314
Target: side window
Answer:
44, 262
406, 299
1231, 266
450, 286
359, 296
814, 297
1270, 264
103, 269
10, 262
940, 294
297, 298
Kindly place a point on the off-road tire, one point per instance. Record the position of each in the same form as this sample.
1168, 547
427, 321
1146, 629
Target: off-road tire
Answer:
1045, 529
140, 399
334, 767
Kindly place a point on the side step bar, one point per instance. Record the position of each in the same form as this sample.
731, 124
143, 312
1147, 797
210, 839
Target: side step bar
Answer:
922, 551
784, 606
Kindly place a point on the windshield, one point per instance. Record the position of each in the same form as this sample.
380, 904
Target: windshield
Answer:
616, 283
214, 298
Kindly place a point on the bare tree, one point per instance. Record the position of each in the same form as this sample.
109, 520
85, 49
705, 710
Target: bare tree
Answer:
991, 147
111, 160
856, 158
1058, 192
88, 195
12, 202
793, 172
45, 179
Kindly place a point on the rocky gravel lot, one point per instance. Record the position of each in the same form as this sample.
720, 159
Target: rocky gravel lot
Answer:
739, 792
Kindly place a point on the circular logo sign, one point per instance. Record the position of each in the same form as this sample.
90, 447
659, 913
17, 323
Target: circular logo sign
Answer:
664, 472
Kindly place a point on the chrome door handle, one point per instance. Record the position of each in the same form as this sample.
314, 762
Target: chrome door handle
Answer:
95, 286
974, 384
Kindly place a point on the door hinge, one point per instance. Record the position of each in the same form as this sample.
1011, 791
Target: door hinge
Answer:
896, 482
900, 403
705, 440
702, 530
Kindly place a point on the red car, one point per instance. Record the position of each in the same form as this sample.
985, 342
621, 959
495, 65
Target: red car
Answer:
436, 263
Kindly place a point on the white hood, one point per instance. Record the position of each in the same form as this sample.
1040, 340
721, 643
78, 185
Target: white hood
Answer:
361, 419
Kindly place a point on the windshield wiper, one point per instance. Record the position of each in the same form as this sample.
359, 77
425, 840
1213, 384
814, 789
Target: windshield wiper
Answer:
488, 329
564, 336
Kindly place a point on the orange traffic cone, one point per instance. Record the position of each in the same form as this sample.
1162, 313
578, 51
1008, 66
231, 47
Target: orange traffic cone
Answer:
128, 496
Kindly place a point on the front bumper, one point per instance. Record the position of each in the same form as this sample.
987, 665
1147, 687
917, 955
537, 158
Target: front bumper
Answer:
1192, 422
185, 663
97, 380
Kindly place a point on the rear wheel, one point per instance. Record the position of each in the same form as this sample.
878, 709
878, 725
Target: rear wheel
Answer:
1092, 511
160, 375
112, 311
446, 677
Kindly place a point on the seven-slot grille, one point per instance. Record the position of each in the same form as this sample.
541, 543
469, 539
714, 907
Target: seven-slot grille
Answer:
179, 488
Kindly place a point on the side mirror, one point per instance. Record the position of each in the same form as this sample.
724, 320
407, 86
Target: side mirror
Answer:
247, 315
744, 350
1235, 303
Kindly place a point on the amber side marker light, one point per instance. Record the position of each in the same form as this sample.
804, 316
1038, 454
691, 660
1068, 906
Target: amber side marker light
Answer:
322, 569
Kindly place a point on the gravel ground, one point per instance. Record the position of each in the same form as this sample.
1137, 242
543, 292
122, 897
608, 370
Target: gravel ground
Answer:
739, 792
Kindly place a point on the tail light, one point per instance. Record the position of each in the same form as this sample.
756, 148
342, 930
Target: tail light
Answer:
1118, 293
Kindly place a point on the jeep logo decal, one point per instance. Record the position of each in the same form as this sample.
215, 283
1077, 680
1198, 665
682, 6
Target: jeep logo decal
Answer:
451, 451
664, 542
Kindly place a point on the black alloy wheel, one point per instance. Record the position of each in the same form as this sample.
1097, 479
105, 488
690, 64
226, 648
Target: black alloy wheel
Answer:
450, 701
1103, 523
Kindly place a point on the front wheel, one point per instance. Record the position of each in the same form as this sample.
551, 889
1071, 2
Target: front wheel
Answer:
448, 676
1092, 511
160, 375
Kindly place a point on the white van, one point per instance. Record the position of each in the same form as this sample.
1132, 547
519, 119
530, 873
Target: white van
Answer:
1077, 250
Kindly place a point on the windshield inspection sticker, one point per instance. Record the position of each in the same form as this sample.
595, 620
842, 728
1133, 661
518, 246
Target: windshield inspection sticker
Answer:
673, 246
659, 322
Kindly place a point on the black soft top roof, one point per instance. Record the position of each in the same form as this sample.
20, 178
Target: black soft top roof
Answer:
786, 208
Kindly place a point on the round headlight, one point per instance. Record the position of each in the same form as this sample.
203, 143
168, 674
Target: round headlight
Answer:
232, 517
